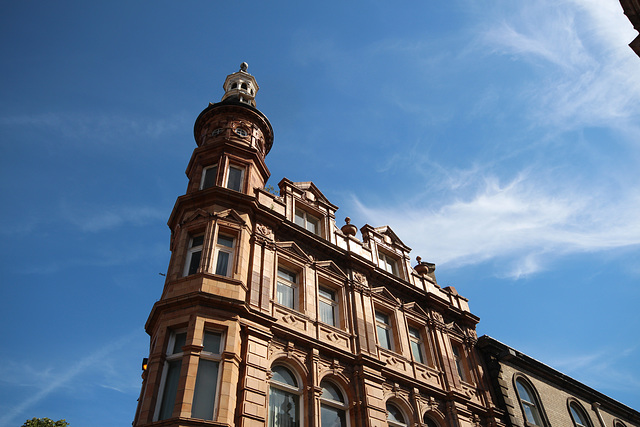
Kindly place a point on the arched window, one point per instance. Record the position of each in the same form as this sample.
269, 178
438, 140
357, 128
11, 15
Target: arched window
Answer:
618, 424
333, 406
284, 398
578, 415
429, 422
395, 417
530, 406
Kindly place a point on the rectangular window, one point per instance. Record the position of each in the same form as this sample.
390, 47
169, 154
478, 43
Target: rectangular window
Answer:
307, 221
327, 306
383, 328
224, 255
287, 288
457, 356
234, 178
171, 374
194, 254
416, 345
205, 392
209, 177
387, 263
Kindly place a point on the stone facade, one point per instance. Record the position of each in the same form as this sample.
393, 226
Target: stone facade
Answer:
273, 315
553, 396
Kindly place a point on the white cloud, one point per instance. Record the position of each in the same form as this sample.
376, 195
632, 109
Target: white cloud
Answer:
520, 222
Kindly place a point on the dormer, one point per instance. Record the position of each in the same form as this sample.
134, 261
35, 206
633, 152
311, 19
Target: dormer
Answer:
308, 208
388, 251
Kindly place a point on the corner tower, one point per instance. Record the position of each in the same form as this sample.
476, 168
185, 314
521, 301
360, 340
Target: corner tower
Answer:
272, 315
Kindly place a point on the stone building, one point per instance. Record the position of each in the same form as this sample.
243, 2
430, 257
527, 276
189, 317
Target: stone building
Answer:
534, 394
273, 315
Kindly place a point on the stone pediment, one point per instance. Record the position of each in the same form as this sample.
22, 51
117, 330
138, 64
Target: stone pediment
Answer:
389, 236
294, 250
227, 215
384, 294
331, 268
416, 310
231, 216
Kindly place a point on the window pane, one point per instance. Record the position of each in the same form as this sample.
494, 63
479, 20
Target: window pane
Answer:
383, 337
382, 318
170, 389
222, 264
194, 262
225, 241
211, 342
330, 392
417, 351
578, 417
285, 295
326, 293
209, 177
196, 241
283, 409
179, 342
326, 313
332, 417
234, 180
394, 414
287, 275
299, 218
282, 375
312, 225
204, 394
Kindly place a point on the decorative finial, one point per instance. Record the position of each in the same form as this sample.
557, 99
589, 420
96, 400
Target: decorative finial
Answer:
349, 229
419, 259
244, 66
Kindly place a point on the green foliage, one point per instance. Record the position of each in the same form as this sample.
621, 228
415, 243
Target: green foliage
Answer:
270, 189
44, 422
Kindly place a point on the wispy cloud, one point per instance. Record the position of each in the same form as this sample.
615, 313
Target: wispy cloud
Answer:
95, 219
590, 73
51, 380
522, 221
600, 369
107, 128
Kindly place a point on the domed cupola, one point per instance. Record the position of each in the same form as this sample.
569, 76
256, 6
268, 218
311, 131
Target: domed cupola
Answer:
241, 86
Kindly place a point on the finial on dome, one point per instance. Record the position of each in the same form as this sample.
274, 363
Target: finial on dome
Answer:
244, 66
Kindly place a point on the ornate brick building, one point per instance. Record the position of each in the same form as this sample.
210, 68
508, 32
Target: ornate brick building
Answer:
273, 315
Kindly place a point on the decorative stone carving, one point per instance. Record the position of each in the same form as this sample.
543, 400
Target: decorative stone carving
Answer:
264, 231
359, 277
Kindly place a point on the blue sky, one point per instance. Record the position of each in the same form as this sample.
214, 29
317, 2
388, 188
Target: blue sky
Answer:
498, 140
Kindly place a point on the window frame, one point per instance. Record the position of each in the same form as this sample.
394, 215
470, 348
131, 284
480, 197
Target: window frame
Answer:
172, 358
209, 357
296, 391
386, 261
230, 251
576, 409
205, 172
393, 423
332, 303
418, 340
340, 406
305, 218
242, 170
387, 327
191, 250
460, 362
524, 404
293, 285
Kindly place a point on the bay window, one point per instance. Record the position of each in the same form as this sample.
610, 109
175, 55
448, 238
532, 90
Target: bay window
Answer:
205, 392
